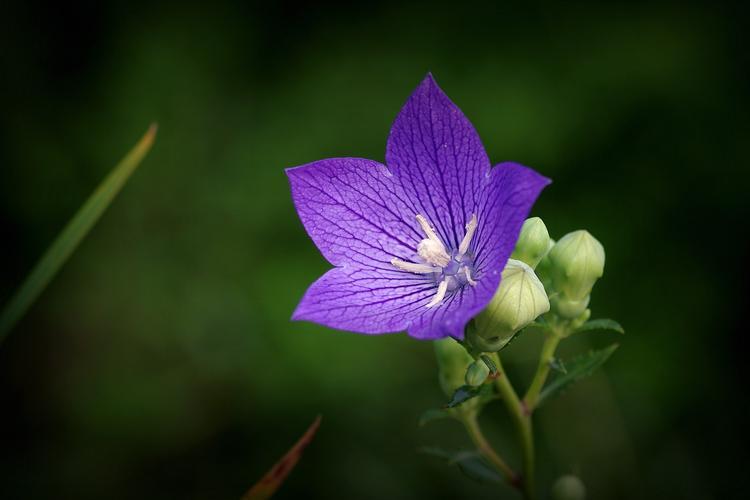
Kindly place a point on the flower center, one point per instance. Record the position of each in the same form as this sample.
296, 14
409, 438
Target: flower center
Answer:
450, 269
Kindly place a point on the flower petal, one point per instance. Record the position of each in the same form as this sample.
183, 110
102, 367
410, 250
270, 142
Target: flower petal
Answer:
354, 212
450, 317
438, 158
505, 204
366, 300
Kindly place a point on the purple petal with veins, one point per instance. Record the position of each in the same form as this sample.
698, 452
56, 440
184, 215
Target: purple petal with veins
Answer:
420, 244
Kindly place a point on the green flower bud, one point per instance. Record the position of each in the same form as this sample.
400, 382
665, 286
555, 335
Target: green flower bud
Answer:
567, 308
577, 261
477, 373
568, 487
533, 242
453, 361
580, 320
543, 270
518, 301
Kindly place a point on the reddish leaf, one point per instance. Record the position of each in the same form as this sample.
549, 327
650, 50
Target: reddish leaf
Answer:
267, 486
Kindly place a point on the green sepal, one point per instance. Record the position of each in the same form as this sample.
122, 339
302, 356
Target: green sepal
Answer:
600, 324
490, 364
470, 463
577, 368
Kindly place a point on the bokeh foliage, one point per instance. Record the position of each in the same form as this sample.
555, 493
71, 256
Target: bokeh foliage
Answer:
161, 362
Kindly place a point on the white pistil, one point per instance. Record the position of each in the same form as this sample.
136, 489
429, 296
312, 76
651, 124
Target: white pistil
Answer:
470, 228
440, 295
414, 268
468, 277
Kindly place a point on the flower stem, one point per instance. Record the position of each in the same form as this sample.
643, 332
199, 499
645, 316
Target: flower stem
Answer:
484, 447
522, 421
546, 358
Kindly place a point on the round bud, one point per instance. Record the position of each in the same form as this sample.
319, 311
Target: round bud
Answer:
453, 360
533, 242
543, 270
580, 320
568, 487
518, 301
477, 373
577, 261
567, 308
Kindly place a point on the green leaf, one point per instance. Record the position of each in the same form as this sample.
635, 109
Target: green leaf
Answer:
268, 484
600, 324
72, 234
470, 463
467, 392
558, 365
578, 368
435, 414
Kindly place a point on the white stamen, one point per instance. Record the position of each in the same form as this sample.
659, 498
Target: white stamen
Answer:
470, 228
440, 295
433, 253
414, 268
468, 277
428, 230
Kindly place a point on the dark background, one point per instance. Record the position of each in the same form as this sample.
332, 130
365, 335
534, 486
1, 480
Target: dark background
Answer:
161, 362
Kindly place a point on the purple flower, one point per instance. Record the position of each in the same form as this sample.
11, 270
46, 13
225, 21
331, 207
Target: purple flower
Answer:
419, 243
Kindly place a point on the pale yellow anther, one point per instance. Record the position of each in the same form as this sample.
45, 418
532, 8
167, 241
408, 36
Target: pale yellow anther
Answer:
470, 228
414, 268
440, 295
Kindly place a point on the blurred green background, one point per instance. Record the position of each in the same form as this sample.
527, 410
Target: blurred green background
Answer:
161, 363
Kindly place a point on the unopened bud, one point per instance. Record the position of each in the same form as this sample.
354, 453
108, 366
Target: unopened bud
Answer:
577, 261
518, 301
453, 360
580, 320
543, 270
477, 373
568, 308
568, 487
533, 242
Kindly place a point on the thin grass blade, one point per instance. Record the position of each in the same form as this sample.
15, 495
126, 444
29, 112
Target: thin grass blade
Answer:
72, 234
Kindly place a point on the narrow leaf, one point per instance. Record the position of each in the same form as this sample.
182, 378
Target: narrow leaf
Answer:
466, 392
558, 365
470, 463
434, 414
72, 234
601, 324
476, 468
577, 368
267, 486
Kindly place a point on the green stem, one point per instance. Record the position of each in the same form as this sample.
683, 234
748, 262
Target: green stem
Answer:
540, 377
484, 447
522, 420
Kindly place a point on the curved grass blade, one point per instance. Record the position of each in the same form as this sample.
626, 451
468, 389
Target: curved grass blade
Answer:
72, 234
267, 486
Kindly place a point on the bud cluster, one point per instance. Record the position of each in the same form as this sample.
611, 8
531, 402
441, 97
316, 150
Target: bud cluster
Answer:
541, 276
